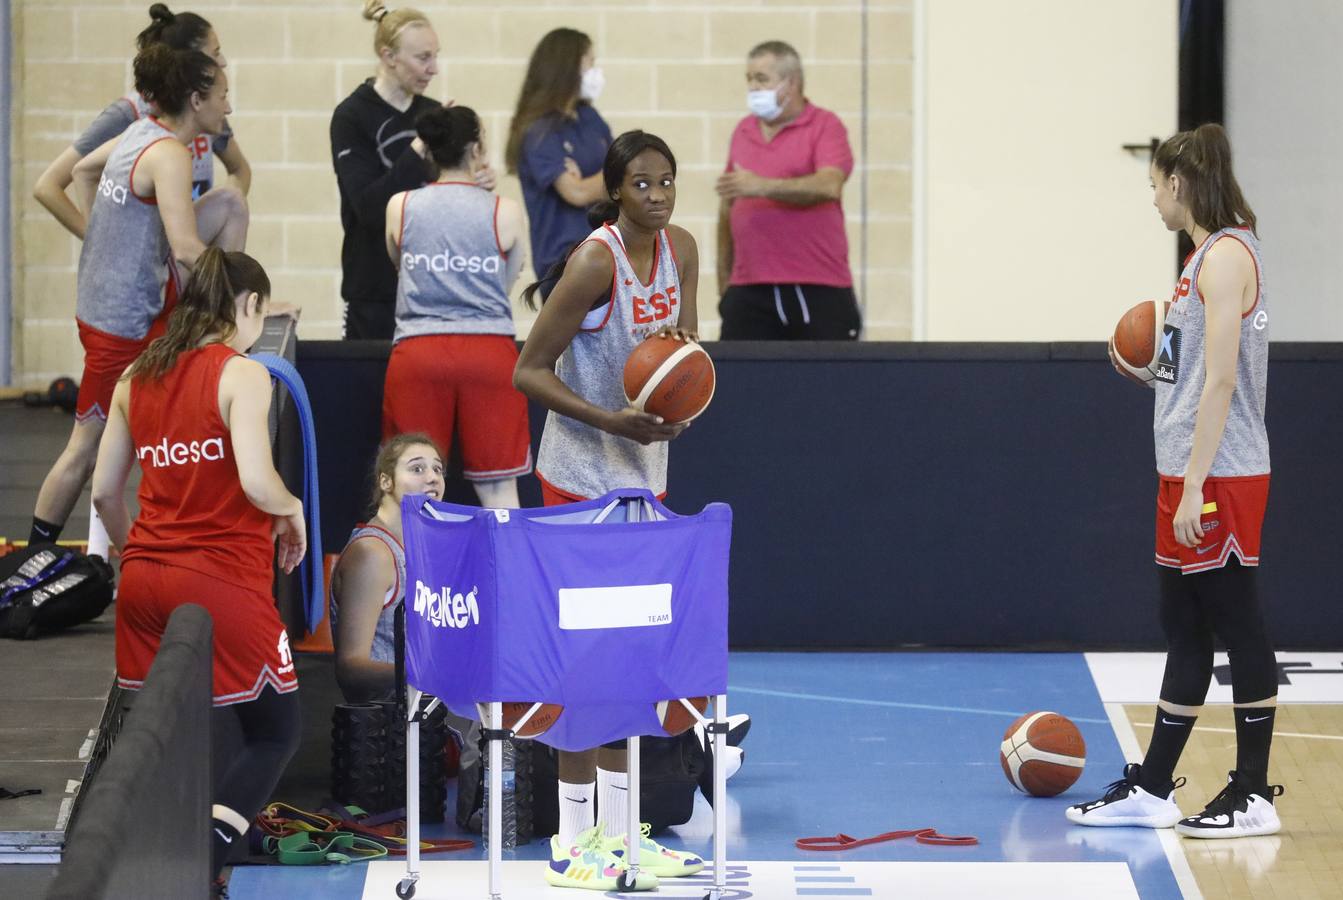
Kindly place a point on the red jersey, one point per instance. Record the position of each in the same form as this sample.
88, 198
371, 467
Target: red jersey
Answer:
193, 512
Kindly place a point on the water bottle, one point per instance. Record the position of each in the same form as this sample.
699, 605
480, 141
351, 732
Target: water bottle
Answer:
508, 810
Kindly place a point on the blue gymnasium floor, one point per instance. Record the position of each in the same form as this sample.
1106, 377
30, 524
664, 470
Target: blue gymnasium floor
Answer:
863, 744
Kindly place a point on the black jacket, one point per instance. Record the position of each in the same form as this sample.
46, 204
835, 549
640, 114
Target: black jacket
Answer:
370, 149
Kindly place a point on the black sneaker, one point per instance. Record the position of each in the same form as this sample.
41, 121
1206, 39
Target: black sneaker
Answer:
1126, 803
1238, 811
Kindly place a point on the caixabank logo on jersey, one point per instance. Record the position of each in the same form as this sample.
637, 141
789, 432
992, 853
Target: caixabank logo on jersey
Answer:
1168, 357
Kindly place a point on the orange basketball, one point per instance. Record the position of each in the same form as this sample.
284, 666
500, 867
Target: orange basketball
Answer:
1042, 754
1137, 338
537, 725
675, 718
669, 378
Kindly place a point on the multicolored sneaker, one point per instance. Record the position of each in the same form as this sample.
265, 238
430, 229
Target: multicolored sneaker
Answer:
1238, 811
587, 865
653, 857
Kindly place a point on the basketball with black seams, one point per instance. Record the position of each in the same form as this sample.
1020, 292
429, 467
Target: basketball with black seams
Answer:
675, 718
536, 726
1137, 338
1042, 754
669, 378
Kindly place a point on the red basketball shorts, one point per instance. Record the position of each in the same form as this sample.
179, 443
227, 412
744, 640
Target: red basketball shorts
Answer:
441, 383
251, 646
106, 357
1233, 517
553, 496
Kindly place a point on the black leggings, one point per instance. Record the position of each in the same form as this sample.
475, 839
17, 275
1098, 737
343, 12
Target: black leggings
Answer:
270, 732
1223, 603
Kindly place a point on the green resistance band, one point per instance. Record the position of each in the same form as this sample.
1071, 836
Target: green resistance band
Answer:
315, 848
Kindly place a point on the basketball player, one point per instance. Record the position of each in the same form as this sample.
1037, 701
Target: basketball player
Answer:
194, 412
180, 31
455, 246
141, 225
1213, 463
633, 278
369, 579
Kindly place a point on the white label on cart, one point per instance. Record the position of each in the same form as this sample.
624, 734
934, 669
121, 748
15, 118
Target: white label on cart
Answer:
623, 606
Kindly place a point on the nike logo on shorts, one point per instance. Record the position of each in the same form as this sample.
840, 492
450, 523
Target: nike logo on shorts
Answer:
1202, 550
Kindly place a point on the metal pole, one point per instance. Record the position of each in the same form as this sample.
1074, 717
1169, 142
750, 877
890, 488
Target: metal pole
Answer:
412, 784
496, 798
635, 829
6, 238
862, 175
719, 797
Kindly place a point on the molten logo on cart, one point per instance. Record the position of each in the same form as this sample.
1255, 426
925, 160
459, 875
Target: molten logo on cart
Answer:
622, 606
446, 609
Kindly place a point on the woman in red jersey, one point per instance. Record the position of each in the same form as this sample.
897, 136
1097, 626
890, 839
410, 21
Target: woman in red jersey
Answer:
194, 412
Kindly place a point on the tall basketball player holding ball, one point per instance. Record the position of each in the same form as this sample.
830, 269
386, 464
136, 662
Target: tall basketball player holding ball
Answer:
632, 279
1212, 457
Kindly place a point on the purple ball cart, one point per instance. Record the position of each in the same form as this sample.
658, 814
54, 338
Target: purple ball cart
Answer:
606, 607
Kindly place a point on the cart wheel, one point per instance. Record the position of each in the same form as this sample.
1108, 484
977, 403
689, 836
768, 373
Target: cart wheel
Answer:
405, 889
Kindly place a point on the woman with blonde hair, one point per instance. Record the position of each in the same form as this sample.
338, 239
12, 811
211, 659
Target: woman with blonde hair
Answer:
376, 154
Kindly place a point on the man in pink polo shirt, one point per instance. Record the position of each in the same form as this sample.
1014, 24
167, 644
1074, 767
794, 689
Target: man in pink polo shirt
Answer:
783, 256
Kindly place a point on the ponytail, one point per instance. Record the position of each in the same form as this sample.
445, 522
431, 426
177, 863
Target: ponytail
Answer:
619, 155
599, 214
167, 78
1202, 160
207, 309
390, 24
183, 31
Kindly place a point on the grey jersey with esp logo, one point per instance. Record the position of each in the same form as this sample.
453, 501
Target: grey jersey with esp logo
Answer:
450, 277
577, 458
1182, 370
124, 262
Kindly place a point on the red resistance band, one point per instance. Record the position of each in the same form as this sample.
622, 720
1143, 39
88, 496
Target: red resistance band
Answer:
922, 835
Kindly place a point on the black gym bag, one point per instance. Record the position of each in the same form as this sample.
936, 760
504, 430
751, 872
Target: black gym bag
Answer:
46, 587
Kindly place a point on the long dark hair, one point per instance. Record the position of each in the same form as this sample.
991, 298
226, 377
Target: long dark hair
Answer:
552, 82
1202, 160
448, 131
388, 454
208, 307
619, 155
180, 31
167, 78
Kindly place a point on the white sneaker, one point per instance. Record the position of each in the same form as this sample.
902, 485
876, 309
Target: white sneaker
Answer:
1236, 812
1125, 803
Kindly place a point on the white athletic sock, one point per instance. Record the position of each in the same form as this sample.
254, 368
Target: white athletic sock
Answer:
99, 542
613, 797
576, 815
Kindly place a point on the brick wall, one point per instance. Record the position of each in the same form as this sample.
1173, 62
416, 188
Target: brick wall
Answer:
675, 68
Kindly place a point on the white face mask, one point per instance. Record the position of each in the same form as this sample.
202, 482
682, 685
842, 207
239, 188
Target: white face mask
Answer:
593, 82
764, 104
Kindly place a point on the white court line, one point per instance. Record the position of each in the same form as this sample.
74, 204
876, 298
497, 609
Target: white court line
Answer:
1276, 734
1170, 841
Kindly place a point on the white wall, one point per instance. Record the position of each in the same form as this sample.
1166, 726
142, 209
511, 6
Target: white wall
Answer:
1037, 225
1284, 71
